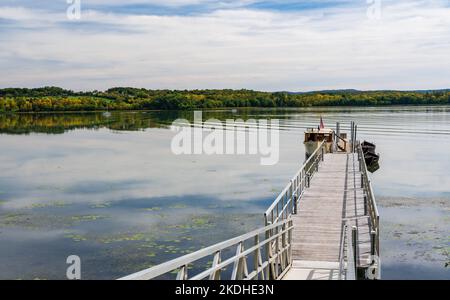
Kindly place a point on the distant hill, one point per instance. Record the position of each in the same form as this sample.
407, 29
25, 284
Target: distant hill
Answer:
353, 91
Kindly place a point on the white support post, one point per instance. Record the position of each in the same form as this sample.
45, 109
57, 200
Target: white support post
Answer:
216, 260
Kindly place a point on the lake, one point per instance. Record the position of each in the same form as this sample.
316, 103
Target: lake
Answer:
108, 188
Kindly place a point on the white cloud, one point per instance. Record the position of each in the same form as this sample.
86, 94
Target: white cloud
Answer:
234, 48
176, 3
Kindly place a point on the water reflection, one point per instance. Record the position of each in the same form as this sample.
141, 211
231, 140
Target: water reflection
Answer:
374, 121
58, 123
51, 123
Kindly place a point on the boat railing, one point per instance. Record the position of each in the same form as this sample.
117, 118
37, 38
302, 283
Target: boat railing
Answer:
263, 254
287, 201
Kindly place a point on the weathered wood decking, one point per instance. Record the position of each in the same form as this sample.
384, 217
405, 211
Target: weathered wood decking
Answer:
335, 194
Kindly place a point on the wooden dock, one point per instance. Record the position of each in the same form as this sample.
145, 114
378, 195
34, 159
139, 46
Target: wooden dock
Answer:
334, 196
324, 225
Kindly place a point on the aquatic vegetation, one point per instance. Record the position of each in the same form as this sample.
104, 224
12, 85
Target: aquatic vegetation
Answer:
101, 205
156, 208
49, 204
27, 220
410, 202
87, 218
184, 226
126, 238
75, 237
200, 221
224, 206
423, 241
187, 251
12, 218
194, 223
178, 206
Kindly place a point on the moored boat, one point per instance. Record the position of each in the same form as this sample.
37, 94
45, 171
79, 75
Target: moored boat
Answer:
372, 159
368, 147
315, 136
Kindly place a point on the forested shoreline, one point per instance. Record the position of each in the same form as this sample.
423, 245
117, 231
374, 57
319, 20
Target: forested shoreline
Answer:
58, 99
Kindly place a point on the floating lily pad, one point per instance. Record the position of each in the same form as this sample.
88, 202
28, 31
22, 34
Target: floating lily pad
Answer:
87, 218
50, 204
101, 205
178, 206
153, 208
125, 238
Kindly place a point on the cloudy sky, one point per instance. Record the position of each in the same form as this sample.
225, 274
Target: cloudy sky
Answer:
269, 45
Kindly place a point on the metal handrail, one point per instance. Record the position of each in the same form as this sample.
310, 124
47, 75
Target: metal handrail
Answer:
350, 273
286, 203
347, 261
342, 252
347, 269
372, 208
267, 263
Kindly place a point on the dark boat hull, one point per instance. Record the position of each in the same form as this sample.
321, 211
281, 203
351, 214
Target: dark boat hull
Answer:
368, 147
371, 158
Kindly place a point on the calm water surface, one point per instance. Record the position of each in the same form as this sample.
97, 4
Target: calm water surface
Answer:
107, 187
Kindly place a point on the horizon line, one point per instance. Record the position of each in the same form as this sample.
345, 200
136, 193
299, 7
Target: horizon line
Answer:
232, 89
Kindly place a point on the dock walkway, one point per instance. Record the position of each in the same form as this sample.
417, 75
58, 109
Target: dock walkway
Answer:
334, 195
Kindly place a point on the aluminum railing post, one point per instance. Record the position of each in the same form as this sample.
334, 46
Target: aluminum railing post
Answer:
373, 236
295, 204
355, 246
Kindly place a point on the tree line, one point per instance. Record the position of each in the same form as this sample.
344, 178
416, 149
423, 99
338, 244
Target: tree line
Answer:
123, 98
